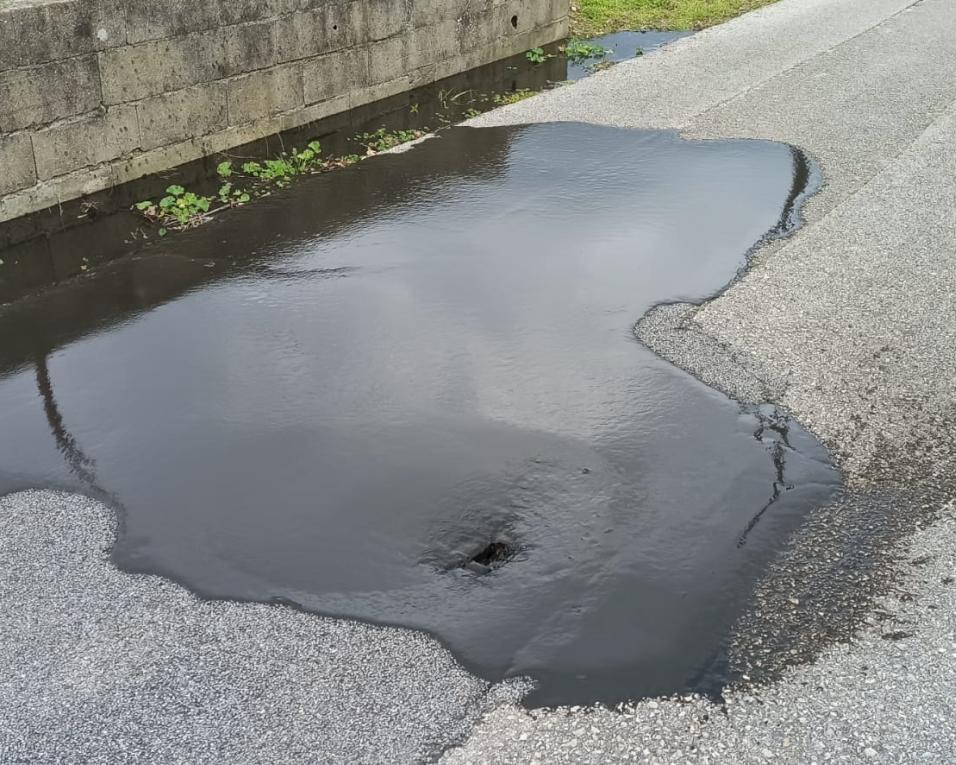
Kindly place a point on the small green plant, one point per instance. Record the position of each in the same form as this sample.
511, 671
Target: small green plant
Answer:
280, 171
537, 56
179, 207
600, 66
513, 97
580, 50
639, 52
228, 193
383, 140
472, 112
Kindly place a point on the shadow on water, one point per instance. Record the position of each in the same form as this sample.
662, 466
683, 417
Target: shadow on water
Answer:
407, 392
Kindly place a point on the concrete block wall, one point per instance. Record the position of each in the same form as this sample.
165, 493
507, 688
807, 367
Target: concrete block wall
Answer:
94, 93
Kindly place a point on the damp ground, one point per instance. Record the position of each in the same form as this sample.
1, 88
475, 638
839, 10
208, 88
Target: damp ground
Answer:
409, 392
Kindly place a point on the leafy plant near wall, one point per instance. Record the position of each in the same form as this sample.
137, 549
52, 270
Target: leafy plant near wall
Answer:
537, 56
383, 140
514, 96
580, 50
181, 209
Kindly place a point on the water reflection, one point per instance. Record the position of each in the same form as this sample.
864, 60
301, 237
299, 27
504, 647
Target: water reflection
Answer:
344, 395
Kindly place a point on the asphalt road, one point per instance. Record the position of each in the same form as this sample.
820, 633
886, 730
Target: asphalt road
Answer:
849, 324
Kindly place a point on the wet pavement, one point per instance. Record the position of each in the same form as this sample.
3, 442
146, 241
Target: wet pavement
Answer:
408, 392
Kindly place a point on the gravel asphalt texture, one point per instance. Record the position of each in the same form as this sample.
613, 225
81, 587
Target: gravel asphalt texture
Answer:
886, 697
101, 666
850, 324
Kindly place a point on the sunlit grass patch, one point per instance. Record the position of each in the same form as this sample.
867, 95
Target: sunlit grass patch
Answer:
594, 17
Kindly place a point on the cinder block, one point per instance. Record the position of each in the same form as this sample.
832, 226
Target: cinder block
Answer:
154, 20
263, 94
86, 142
16, 160
108, 19
423, 13
243, 11
36, 34
183, 114
154, 161
334, 74
377, 92
247, 48
515, 17
386, 18
476, 30
426, 13
42, 94
560, 9
159, 66
542, 12
301, 35
70, 186
348, 22
429, 45
387, 60
242, 134
335, 105
315, 32
296, 6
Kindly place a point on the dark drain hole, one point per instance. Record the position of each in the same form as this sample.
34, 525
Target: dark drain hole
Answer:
493, 555
496, 552
514, 21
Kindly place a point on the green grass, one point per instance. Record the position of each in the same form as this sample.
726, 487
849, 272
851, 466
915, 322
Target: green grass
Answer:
595, 17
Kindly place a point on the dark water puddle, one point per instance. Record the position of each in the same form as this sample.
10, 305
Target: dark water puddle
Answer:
408, 392
620, 46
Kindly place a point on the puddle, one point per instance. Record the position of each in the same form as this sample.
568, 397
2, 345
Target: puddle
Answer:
409, 392
620, 46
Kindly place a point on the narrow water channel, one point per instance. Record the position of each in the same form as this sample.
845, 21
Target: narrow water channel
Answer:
408, 392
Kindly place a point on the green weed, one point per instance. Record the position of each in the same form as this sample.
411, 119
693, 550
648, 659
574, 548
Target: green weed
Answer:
579, 50
383, 140
513, 97
179, 207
